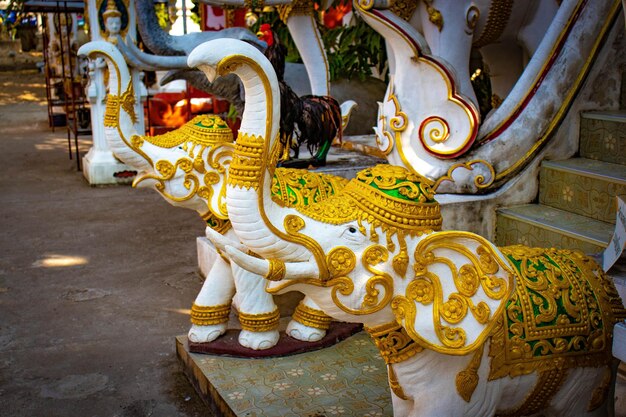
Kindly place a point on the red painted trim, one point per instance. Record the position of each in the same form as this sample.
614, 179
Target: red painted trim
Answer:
473, 111
494, 134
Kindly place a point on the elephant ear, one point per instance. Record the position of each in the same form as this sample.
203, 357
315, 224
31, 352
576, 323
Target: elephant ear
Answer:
461, 284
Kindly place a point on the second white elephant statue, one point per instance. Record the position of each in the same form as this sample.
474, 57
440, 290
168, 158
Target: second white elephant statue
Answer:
189, 167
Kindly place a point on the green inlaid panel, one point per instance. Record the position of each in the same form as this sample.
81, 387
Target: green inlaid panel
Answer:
583, 186
603, 140
347, 379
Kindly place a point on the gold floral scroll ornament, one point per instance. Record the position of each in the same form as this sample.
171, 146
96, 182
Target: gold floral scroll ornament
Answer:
472, 283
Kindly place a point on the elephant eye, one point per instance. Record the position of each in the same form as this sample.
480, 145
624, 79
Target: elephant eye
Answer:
352, 229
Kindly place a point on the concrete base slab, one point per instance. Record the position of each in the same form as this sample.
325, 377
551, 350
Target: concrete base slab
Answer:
101, 168
347, 379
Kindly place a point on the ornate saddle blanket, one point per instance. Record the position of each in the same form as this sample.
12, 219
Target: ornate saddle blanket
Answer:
561, 314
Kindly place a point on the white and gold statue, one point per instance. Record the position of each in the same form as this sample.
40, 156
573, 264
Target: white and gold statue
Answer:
188, 167
466, 328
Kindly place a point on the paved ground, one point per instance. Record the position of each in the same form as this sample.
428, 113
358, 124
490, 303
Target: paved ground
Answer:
94, 282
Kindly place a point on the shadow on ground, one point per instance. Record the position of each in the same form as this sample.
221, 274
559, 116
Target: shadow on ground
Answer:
95, 282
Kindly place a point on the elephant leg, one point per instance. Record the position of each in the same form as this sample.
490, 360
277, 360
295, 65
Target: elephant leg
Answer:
258, 315
210, 310
308, 323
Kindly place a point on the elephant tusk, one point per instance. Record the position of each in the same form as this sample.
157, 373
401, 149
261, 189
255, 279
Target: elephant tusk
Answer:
248, 262
220, 241
273, 269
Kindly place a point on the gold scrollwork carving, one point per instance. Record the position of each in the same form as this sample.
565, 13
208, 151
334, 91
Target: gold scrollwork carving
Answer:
436, 129
365, 4
341, 261
372, 302
426, 289
560, 315
395, 346
479, 180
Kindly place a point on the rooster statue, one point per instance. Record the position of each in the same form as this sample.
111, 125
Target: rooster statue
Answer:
318, 118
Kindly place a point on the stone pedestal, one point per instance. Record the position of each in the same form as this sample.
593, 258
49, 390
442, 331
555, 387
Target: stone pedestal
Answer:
101, 167
347, 379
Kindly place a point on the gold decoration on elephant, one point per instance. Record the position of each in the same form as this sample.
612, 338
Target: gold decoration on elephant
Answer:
548, 384
560, 316
340, 261
299, 187
311, 317
343, 261
400, 262
244, 171
277, 270
404, 8
479, 180
483, 271
385, 196
395, 346
393, 342
207, 139
497, 19
467, 379
296, 8
434, 15
219, 225
209, 315
205, 130
263, 322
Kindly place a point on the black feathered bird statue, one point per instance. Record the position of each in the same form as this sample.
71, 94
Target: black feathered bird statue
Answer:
318, 118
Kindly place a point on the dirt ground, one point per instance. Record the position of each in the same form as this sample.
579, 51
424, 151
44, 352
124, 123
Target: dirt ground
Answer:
95, 282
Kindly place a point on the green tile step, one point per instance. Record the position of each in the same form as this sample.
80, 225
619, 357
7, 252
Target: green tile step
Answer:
346, 379
603, 136
583, 186
543, 226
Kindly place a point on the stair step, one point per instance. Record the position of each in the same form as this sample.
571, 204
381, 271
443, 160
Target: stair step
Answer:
603, 136
583, 186
544, 226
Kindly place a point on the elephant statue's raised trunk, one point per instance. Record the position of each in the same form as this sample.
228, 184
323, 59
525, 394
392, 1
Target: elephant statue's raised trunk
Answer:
267, 228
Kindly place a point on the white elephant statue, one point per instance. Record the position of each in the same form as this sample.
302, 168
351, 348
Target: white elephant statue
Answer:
466, 328
189, 167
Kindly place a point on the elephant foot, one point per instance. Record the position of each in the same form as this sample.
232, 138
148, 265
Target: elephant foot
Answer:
304, 333
205, 334
258, 340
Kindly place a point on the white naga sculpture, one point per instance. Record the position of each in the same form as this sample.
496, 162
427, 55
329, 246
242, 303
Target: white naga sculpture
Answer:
188, 167
434, 128
466, 328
